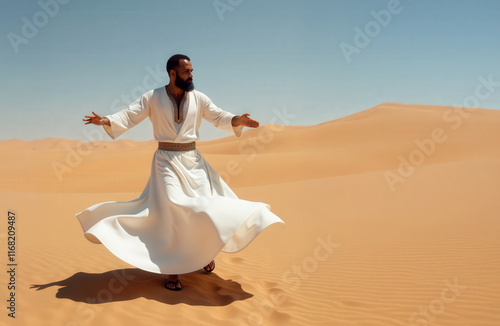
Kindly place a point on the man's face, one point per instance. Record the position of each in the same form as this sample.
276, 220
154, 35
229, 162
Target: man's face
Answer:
184, 76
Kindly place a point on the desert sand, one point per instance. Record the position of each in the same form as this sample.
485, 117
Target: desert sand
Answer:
392, 218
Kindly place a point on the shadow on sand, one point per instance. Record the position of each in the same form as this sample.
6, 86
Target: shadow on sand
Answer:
198, 288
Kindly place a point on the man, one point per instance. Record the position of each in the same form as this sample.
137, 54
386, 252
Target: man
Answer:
186, 213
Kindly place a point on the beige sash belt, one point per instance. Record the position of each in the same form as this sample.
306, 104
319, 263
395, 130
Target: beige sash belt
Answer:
167, 146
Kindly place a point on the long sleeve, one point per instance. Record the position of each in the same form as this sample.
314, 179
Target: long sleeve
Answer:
218, 117
127, 118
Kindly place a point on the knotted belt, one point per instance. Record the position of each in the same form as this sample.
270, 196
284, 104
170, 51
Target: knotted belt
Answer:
167, 146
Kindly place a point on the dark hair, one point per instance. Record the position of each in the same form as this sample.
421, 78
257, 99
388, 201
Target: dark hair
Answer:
173, 62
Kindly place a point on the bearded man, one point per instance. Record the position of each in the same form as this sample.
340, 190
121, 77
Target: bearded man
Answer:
186, 214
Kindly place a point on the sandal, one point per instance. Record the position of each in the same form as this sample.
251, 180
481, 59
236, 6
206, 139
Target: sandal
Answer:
175, 288
210, 267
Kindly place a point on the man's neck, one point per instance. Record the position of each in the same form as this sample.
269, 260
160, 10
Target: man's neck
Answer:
176, 92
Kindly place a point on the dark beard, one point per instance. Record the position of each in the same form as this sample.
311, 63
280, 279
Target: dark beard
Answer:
183, 84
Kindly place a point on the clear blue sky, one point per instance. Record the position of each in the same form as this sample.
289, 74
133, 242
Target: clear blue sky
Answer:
255, 56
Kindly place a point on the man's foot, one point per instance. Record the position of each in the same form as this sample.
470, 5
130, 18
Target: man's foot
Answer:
173, 283
210, 267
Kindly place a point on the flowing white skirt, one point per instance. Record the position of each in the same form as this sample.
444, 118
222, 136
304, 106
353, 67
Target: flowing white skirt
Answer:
184, 217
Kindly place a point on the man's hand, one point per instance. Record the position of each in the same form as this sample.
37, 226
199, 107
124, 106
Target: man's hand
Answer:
244, 120
96, 119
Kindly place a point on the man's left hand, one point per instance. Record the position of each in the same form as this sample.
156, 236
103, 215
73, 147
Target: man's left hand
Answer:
245, 120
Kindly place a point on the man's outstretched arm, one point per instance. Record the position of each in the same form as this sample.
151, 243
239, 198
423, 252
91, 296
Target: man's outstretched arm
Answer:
244, 120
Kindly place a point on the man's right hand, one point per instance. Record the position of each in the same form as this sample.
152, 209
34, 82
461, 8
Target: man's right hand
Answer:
96, 119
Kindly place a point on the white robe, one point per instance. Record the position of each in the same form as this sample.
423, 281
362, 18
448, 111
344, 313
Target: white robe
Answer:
186, 214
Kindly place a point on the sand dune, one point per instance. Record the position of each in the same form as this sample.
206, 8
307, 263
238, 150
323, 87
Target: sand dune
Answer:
392, 219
